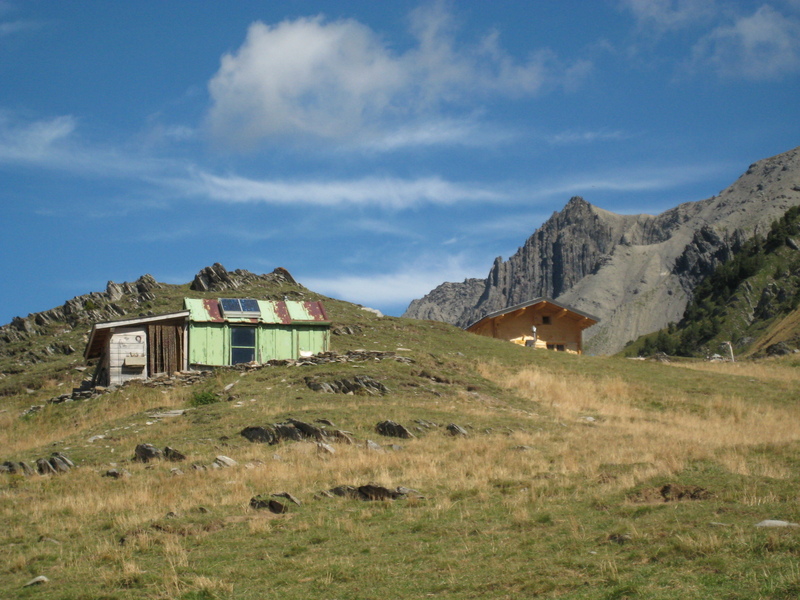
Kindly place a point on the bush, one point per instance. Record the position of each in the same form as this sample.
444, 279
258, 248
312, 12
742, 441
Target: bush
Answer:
203, 398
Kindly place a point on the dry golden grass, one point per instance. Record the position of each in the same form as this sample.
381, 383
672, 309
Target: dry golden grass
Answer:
773, 371
603, 424
18, 435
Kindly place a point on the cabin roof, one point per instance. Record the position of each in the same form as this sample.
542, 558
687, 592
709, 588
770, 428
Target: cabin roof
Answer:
270, 312
584, 319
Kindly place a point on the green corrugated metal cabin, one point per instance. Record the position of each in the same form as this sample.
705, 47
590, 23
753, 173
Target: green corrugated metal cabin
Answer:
209, 332
232, 330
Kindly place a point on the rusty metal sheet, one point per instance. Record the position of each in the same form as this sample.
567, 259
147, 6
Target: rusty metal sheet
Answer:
274, 312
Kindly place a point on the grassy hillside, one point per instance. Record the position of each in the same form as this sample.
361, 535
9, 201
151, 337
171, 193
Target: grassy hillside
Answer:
580, 477
750, 301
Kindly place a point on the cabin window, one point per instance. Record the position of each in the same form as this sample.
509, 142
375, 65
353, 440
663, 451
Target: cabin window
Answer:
551, 346
560, 347
243, 345
546, 320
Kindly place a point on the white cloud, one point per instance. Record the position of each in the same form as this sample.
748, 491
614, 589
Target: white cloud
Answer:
764, 45
54, 143
387, 192
586, 137
400, 286
339, 80
34, 142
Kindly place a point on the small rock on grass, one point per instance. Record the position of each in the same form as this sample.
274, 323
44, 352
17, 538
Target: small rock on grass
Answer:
224, 461
776, 523
37, 581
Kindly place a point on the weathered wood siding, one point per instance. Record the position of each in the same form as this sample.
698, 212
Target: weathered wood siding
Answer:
129, 342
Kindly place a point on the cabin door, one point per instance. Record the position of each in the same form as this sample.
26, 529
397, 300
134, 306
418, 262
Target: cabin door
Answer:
164, 349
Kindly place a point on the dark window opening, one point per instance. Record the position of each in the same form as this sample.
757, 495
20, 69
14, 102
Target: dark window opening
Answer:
546, 320
243, 345
560, 347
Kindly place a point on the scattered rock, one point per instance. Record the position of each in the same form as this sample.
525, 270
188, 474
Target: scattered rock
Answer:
44, 467
289, 497
147, 452
775, 523
173, 455
672, 492
324, 448
360, 384
456, 430
59, 464
369, 492
117, 473
370, 445
224, 461
392, 429
37, 581
345, 491
377, 492
259, 434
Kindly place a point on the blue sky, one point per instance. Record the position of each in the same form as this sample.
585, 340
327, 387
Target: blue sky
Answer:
373, 149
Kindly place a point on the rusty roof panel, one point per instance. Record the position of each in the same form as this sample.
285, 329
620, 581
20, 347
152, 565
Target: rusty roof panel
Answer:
316, 310
274, 312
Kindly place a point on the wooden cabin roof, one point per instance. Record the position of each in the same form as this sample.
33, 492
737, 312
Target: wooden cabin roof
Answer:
545, 305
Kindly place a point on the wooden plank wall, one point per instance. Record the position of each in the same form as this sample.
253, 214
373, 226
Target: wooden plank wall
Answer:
165, 349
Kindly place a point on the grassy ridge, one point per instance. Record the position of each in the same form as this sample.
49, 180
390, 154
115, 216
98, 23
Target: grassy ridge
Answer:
557, 491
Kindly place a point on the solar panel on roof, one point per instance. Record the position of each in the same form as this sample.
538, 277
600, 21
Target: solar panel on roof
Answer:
240, 307
250, 305
230, 305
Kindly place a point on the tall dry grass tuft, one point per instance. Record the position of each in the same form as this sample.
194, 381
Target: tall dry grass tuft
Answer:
603, 421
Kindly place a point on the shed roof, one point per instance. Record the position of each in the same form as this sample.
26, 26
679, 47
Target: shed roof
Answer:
271, 312
585, 319
102, 331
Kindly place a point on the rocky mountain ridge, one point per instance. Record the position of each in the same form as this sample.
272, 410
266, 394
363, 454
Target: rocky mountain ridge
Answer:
68, 323
636, 272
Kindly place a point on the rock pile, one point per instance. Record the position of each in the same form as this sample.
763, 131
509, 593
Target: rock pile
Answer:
57, 463
294, 430
360, 384
325, 358
369, 492
147, 452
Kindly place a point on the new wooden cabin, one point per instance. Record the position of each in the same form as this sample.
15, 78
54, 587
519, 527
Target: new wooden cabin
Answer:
540, 323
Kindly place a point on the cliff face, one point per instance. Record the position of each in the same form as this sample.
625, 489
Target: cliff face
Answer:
636, 272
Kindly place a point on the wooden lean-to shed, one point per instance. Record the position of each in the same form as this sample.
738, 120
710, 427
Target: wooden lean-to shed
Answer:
209, 332
541, 323
229, 331
138, 348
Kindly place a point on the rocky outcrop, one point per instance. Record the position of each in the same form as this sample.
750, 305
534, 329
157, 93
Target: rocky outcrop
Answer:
636, 272
217, 279
82, 310
118, 301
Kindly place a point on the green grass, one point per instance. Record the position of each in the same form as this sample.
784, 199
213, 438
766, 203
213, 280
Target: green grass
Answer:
536, 502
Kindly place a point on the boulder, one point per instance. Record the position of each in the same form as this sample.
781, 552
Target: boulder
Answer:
265, 435
147, 452
456, 430
392, 429
224, 461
